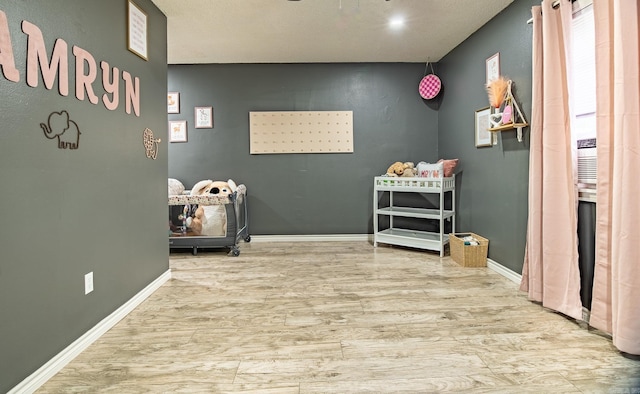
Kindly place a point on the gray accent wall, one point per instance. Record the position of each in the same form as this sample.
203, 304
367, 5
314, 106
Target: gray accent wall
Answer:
100, 208
493, 181
302, 194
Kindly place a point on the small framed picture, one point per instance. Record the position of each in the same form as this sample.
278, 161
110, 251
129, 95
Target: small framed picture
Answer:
204, 117
493, 67
483, 135
178, 131
173, 103
137, 30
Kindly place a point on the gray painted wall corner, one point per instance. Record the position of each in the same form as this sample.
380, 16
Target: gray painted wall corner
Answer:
493, 181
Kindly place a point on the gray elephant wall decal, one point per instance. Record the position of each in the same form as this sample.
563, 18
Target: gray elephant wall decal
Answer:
64, 129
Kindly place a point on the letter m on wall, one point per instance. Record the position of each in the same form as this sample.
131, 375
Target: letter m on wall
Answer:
37, 59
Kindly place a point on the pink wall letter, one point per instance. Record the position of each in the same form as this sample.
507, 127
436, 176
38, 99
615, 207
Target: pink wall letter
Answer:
7, 63
37, 56
84, 81
111, 87
132, 95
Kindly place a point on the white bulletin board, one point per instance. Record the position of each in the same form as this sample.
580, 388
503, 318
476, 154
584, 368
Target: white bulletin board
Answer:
301, 132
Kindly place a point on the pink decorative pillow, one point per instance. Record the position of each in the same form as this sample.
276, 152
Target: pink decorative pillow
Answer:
449, 165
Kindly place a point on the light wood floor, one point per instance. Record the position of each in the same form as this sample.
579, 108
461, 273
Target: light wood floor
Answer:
343, 317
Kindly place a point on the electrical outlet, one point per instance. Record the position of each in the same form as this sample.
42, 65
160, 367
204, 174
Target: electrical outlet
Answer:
88, 283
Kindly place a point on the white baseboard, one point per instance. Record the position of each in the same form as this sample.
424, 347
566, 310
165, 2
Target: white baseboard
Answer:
59, 361
504, 271
312, 238
491, 264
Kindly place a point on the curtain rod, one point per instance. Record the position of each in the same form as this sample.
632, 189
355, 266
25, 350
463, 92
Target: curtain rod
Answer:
555, 4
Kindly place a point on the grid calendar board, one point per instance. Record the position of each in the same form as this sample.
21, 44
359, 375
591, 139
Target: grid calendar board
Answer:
301, 132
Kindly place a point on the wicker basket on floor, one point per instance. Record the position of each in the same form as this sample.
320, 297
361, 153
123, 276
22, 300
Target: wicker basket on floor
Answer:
468, 255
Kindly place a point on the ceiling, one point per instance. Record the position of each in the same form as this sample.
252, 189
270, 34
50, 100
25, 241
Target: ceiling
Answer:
319, 31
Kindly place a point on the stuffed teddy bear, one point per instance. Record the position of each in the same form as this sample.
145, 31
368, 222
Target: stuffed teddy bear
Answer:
210, 219
194, 219
406, 169
409, 169
395, 169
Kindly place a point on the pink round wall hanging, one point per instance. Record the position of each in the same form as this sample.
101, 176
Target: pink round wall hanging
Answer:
429, 86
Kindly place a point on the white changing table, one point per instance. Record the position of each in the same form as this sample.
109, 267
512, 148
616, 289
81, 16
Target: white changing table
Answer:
395, 235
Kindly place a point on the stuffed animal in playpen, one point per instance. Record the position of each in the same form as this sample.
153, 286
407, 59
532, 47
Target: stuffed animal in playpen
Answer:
210, 219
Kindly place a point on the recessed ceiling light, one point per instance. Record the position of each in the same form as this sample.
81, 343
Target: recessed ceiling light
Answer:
397, 22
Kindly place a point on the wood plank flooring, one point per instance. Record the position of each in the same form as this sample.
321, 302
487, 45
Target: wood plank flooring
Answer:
343, 317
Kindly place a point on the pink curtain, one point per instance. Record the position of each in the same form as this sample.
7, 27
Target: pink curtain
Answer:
616, 291
550, 273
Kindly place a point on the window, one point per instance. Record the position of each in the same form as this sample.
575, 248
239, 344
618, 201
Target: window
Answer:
583, 97
583, 71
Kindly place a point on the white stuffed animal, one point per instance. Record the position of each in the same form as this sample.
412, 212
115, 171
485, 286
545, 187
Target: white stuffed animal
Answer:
210, 219
175, 187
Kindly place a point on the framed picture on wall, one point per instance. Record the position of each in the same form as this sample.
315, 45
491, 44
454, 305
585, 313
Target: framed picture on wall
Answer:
493, 67
173, 103
137, 30
204, 117
483, 135
178, 131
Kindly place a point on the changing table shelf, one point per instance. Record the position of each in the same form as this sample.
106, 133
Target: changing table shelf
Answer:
415, 212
